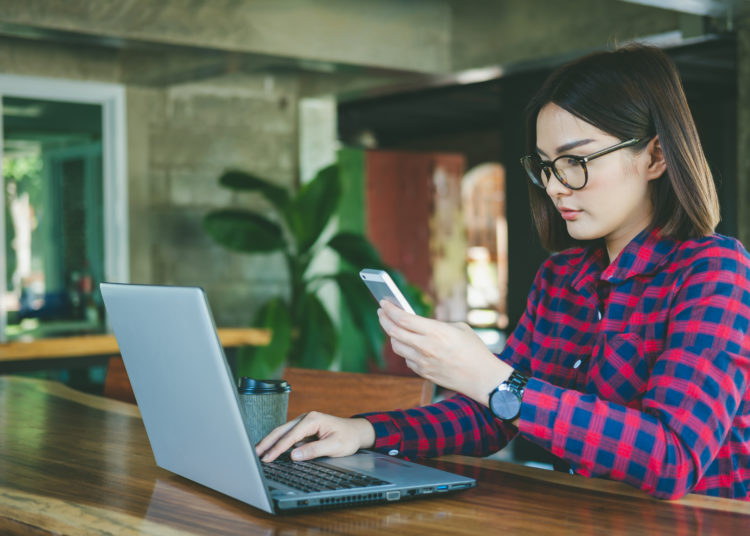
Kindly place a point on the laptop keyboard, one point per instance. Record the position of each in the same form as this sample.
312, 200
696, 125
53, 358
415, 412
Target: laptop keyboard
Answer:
316, 476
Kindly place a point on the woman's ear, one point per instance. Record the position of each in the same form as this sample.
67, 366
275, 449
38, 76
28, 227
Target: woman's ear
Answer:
657, 166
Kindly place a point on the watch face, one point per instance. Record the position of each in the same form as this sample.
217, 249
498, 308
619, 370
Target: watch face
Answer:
505, 405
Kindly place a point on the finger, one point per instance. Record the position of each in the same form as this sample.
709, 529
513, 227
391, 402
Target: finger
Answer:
274, 435
405, 351
328, 446
413, 365
397, 332
410, 321
303, 429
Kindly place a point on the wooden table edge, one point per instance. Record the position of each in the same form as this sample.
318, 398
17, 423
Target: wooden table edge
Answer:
693, 500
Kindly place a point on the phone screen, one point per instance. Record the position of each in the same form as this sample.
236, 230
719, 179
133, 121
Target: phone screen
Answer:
382, 287
381, 292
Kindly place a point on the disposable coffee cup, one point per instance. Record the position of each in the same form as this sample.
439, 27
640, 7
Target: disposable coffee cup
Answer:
264, 404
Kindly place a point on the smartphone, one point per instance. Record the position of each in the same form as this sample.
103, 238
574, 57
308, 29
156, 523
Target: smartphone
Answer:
383, 288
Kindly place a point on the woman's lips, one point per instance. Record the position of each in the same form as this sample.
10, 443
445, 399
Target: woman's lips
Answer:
569, 214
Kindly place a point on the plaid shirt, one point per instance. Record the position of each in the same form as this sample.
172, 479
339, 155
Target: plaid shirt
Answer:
639, 371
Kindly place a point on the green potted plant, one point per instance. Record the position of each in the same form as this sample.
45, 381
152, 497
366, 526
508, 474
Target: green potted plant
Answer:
302, 331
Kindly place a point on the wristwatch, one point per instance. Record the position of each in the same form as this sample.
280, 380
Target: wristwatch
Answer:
505, 400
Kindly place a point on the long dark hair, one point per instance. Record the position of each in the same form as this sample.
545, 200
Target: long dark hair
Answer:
632, 92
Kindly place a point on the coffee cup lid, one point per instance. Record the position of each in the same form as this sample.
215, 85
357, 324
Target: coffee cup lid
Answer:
253, 386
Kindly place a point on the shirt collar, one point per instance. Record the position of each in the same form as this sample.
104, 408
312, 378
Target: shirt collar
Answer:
643, 255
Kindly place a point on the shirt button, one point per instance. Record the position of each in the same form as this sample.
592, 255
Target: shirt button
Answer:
599, 314
577, 364
392, 452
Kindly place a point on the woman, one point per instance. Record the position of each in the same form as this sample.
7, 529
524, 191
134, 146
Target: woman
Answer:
631, 360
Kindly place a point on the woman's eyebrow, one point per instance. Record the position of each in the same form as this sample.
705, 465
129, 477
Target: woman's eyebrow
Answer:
567, 146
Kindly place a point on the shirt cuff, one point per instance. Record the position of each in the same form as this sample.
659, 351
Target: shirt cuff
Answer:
539, 408
388, 437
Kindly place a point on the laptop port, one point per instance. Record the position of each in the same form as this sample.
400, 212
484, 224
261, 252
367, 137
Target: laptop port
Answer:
427, 490
442, 488
393, 495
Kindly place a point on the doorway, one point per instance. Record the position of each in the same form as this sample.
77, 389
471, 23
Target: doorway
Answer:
63, 204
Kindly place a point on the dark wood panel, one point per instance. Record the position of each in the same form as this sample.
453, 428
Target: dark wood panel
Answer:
348, 393
408, 223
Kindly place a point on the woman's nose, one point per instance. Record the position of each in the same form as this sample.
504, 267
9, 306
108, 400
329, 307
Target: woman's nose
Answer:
555, 188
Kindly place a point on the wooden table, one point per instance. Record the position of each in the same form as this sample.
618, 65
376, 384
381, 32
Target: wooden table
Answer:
74, 463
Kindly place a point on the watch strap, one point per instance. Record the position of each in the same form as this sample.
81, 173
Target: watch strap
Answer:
517, 383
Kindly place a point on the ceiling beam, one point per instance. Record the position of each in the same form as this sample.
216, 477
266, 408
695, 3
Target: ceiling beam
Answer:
391, 34
706, 8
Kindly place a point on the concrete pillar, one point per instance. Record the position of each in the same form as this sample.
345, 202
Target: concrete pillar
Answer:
318, 138
317, 149
3, 274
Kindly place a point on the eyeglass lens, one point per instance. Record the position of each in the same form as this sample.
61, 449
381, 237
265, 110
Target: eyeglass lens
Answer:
569, 170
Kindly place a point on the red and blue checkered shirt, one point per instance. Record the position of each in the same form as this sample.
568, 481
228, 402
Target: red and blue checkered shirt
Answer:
639, 371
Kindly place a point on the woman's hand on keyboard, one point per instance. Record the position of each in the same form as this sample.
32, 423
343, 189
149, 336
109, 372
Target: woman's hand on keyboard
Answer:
333, 436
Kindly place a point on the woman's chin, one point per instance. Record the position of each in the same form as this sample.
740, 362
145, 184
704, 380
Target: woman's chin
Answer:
577, 231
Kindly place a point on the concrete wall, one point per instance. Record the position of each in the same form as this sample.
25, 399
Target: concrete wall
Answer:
179, 140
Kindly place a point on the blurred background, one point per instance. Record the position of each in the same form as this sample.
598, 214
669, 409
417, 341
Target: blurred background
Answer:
119, 117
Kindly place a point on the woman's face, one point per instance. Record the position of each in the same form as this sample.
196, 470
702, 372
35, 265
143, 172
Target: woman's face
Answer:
615, 203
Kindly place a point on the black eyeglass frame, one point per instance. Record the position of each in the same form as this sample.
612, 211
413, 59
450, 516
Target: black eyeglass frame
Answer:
583, 160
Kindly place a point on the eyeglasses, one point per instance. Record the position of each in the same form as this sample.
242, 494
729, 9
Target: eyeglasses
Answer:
569, 169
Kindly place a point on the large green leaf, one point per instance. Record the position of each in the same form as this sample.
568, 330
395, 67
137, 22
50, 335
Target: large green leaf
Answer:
355, 249
318, 337
266, 361
363, 311
243, 181
242, 230
313, 206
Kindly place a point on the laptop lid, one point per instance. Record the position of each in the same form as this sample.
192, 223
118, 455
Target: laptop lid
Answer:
184, 388
191, 411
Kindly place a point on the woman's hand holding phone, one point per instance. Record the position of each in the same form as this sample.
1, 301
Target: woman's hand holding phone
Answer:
448, 354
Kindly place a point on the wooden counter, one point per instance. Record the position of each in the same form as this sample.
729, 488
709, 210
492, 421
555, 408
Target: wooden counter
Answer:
74, 463
106, 345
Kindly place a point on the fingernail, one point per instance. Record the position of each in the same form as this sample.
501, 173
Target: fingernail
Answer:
265, 458
296, 455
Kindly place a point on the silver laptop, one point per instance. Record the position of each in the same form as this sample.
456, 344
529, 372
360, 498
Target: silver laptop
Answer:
190, 408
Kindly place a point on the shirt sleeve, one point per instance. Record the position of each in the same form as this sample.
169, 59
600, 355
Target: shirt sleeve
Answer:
458, 425
695, 388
